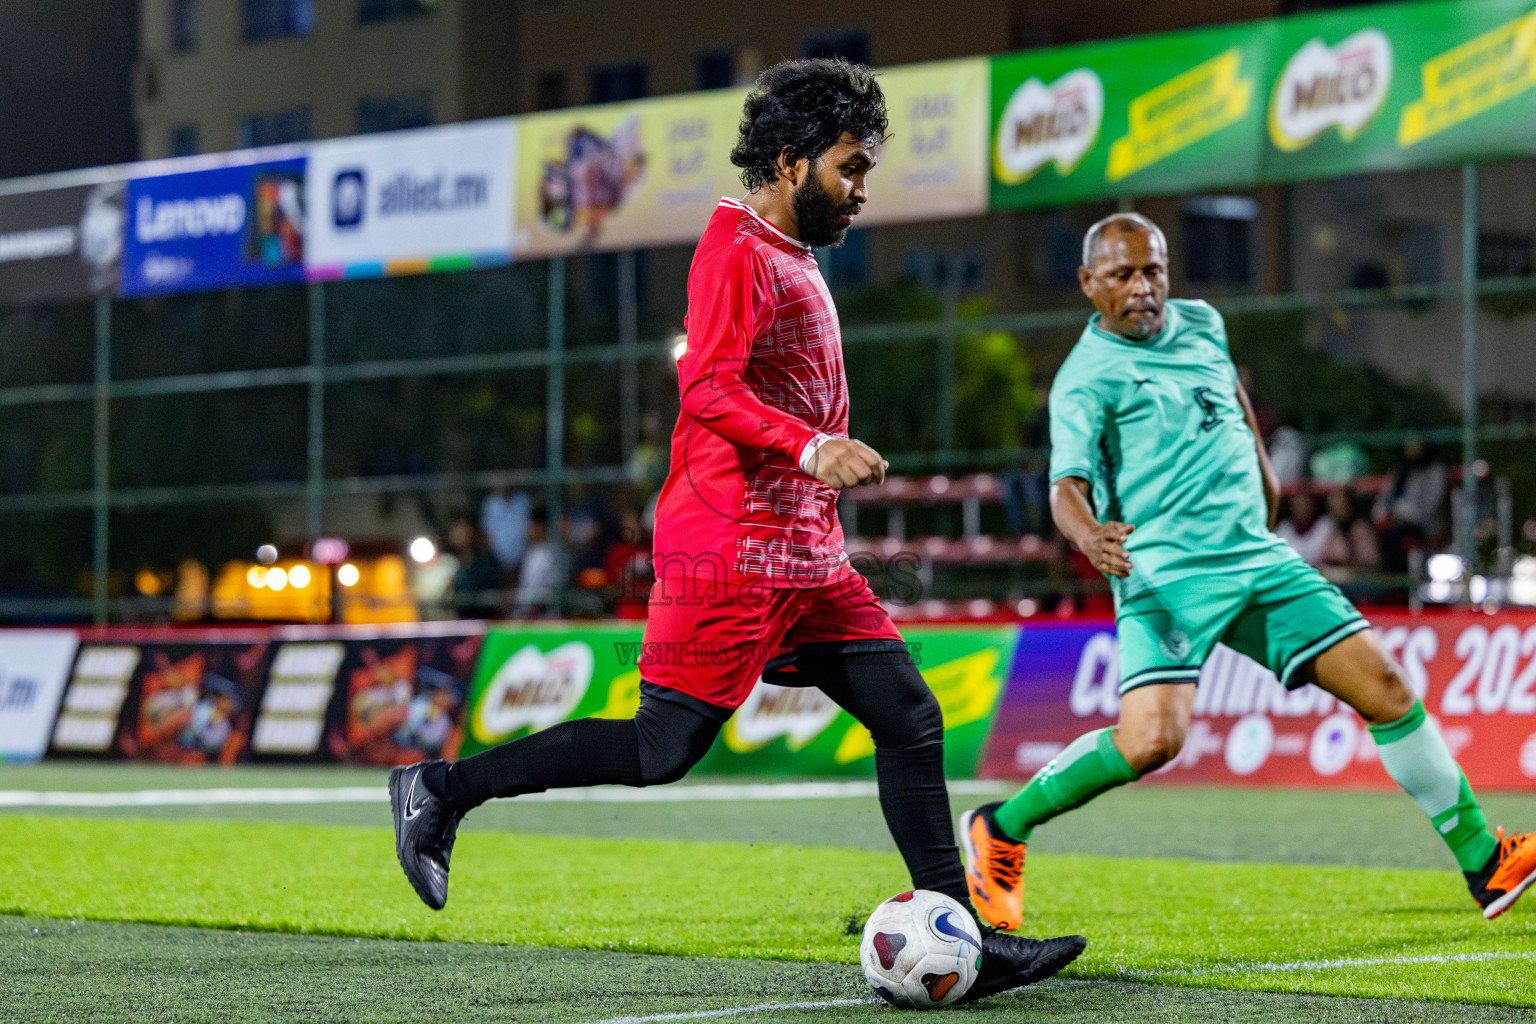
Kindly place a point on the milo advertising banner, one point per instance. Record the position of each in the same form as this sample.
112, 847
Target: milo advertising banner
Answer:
1174, 113
1390, 87
530, 678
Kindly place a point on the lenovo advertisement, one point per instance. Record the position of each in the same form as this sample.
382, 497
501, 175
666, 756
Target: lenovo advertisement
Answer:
229, 227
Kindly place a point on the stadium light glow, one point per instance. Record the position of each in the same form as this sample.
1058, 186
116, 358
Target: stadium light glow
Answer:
1444, 567
256, 576
348, 575
423, 550
1477, 589
679, 347
266, 554
277, 579
298, 576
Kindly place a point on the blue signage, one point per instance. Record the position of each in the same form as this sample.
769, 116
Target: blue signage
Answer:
223, 228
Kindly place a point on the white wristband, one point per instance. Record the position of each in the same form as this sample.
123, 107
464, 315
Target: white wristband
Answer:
809, 451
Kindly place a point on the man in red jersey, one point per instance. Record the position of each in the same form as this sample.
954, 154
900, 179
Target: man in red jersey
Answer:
752, 578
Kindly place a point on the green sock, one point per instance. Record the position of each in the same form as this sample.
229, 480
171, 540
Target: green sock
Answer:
1090, 765
1415, 755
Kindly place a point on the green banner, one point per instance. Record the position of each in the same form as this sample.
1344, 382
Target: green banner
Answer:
1377, 88
530, 677
1400, 86
1173, 113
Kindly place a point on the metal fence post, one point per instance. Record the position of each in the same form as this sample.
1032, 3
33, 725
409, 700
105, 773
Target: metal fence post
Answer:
554, 418
629, 369
1468, 536
101, 454
314, 484
949, 342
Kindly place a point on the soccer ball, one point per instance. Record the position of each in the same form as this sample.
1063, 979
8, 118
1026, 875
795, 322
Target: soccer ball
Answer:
920, 950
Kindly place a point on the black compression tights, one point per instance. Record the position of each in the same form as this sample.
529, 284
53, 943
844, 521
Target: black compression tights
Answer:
672, 731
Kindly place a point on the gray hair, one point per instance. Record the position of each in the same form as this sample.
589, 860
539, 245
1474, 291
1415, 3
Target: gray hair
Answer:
1120, 222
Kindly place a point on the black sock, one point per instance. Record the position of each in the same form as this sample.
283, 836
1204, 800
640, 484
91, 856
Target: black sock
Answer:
586, 752
916, 805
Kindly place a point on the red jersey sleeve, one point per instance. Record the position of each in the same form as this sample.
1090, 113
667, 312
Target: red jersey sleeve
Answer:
730, 304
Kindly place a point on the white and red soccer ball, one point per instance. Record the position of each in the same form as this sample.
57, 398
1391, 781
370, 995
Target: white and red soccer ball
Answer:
920, 950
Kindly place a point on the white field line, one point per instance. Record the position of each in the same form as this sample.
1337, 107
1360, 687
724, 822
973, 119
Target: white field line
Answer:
737, 1011
378, 794
1327, 965
1292, 965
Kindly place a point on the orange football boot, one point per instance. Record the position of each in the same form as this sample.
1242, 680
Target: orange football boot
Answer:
1508, 873
994, 868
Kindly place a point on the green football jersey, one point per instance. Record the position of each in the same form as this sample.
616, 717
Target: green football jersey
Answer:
1155, 426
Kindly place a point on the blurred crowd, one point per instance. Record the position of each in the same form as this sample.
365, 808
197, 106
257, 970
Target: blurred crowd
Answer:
508, 560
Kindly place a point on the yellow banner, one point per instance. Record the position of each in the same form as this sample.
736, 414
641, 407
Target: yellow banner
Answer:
1181, 112
651, 172
935, 164
1465, 81
624, 176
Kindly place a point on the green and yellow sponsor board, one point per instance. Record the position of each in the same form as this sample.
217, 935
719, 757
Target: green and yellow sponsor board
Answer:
1170, 113
1399, 86
1376, 88
531, 677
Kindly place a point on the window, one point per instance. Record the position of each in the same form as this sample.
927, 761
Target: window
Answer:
274, 129
617, 82
850, 46
369, 11
392, 113
271, 19
183, 25
1219, 239
962, 272
1505, 254
549, 91
715, 70
184, 140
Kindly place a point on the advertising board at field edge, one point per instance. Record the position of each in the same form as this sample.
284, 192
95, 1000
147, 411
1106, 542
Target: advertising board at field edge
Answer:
237, 226
532, 677
651, 172
61, 244
1174, 113
1475, 673
1386, 87
410, 202
359, 695
34, 663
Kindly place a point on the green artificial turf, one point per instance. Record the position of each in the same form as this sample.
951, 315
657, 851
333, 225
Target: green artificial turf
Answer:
73, 970
1226, 926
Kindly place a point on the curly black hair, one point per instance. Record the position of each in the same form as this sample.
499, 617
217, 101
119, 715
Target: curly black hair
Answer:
806, 105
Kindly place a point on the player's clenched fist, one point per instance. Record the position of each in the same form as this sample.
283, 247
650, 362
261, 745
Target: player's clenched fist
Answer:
843, 463
1105, 548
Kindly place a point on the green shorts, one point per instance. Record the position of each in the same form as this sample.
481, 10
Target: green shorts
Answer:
1281, 616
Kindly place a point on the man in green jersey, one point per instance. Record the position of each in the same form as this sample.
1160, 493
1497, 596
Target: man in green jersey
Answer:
1157, 475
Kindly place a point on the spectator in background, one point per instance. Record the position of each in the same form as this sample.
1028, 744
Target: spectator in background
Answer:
1288, 455
504, 521
1411, 508
1316, 537
1364, 550
478, 575
542, 576
1025, 488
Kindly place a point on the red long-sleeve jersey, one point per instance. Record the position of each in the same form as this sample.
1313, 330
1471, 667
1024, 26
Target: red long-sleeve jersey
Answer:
761, 378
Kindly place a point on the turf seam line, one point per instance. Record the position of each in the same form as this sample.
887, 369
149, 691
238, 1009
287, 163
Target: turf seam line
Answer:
378, 794
737, 1011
